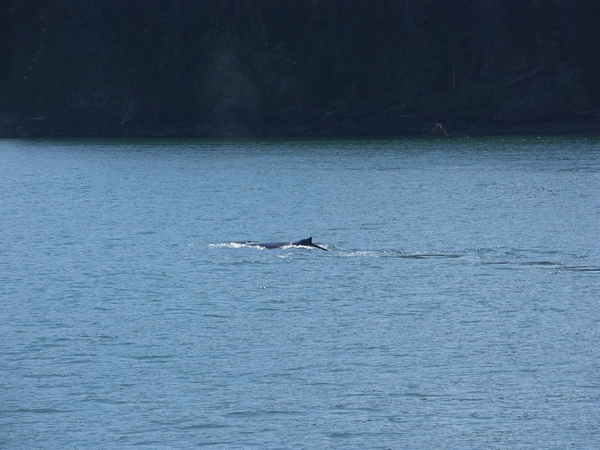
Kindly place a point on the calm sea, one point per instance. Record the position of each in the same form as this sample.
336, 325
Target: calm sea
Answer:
458, 306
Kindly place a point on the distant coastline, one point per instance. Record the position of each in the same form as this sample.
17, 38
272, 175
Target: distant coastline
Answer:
90, 122
299, 69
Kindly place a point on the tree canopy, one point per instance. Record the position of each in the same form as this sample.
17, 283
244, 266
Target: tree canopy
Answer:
186, 59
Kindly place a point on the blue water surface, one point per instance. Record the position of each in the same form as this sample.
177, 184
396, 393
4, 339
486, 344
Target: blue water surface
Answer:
458, 305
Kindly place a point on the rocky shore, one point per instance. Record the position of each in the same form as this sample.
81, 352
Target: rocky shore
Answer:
95, 122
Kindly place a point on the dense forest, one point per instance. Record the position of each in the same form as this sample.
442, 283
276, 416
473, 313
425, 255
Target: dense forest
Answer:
106, 66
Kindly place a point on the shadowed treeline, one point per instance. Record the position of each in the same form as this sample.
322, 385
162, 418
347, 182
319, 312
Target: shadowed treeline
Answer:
218, 62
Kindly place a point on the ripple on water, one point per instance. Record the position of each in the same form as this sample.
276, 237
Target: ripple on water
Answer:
456, 306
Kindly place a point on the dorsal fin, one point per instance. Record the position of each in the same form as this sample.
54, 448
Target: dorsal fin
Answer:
307, 242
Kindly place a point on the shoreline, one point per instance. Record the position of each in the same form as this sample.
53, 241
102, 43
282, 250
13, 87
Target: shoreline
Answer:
90, 122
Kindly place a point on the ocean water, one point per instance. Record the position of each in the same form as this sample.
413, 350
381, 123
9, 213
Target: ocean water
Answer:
457, 306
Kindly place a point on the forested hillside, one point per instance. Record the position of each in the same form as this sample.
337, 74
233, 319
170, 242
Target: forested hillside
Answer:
151, 64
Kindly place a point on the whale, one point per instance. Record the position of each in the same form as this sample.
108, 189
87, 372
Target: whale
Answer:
301, 243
